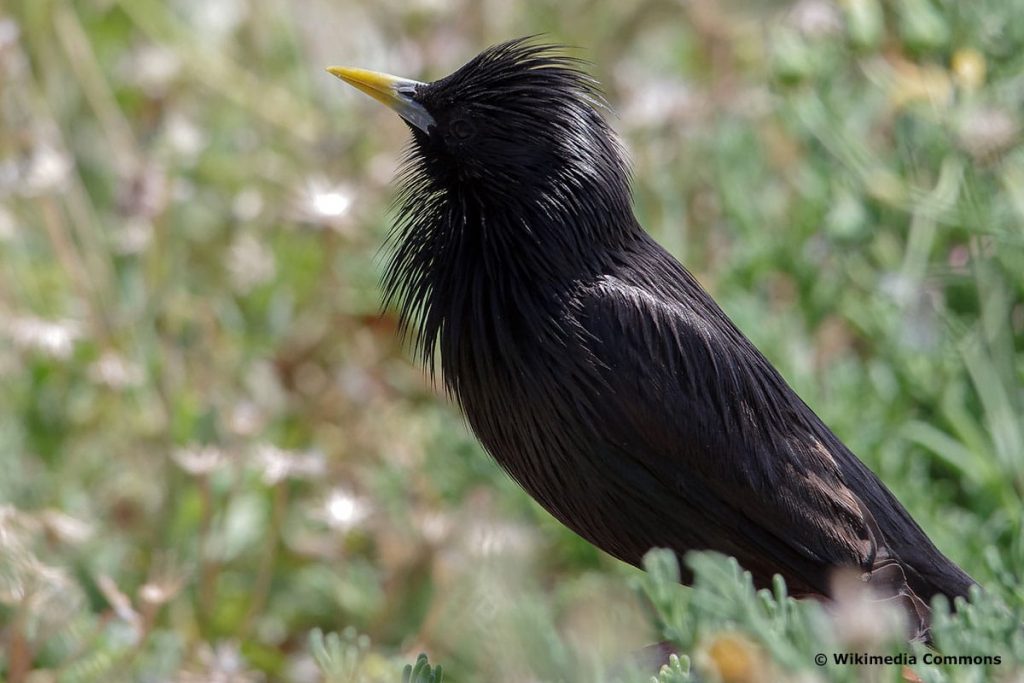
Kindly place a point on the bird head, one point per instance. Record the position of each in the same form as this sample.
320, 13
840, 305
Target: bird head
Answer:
513, 185
519, 116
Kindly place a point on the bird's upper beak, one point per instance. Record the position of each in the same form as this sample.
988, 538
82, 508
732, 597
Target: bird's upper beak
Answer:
392, 91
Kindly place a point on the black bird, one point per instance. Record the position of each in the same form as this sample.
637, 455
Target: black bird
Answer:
593, 366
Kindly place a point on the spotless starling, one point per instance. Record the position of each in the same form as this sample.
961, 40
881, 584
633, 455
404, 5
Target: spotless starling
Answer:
593, 366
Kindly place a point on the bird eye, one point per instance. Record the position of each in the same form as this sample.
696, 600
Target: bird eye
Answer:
461, 129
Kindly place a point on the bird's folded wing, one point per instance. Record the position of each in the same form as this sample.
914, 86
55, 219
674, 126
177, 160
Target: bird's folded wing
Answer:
741, 460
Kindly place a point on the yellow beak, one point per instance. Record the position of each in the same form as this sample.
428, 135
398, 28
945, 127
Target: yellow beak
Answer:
391, 91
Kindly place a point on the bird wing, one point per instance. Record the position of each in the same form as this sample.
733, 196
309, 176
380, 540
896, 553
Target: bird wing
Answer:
748, 468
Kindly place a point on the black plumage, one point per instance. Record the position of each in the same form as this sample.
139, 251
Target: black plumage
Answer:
594, 367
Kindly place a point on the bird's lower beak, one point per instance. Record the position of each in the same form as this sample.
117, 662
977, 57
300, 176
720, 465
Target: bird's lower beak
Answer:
392, 91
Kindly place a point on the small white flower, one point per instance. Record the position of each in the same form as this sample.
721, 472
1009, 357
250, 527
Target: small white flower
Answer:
199, 460
64, 527
53, 338
114, 371
162, 588
223, 663
323, 204
185, 137
278, 464
217, 20
654, 102
816, 18
48, 170
152, 68
342, 510
330, 204
434, 526
133, 236
245, 419
489, 538
987, 131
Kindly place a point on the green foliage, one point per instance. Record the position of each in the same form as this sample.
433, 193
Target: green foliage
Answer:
338, 657
421, 672
777, 633
676, 671
214, 452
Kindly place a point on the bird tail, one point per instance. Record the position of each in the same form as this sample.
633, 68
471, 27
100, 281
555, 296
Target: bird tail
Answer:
913, 580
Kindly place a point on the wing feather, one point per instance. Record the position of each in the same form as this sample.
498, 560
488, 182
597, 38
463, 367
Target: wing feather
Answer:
703, 412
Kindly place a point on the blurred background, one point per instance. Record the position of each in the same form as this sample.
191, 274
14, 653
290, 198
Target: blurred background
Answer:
211, 443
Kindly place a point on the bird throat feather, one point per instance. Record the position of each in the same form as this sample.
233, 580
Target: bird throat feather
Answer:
485, 233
